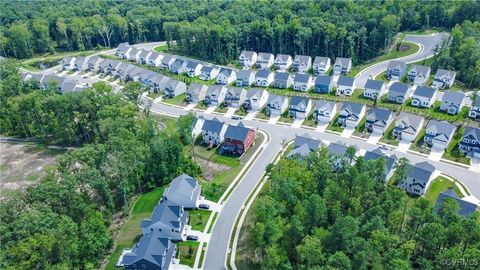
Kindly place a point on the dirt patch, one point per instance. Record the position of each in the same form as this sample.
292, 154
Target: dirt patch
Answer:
404, 47
210, 169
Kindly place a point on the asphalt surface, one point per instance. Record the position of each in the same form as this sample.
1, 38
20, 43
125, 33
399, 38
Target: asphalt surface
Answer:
426, 42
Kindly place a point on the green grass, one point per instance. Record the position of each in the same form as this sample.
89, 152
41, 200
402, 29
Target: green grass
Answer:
241, 111
310, 120
418, 144
388, 137
262, 114
360, 130
155, 95
212, 224
333, 126
286, 118
439, 185
161, 48
221, 108
201, 105
452, 152
187, 251
198, 219
54, 59
170, 123
178, 100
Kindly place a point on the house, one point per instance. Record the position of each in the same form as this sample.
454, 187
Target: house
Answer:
475, 110
452, 102
159, 83
167, 62
93, 62
178, 66
155, 59
245, 78
345, 86
338, 155
321, 65
81, 63
68, 86
134, 74
235, 96
108, 66
396, 70
134, 54
247, 59
283, 61
439, 134
197, 127
398, 92
147, 77
351, 114
424, 96
302, 82
302, 63
282, 80
323, 84
226, 76
303, 146
196, 92
470, 143
466, 208
299, 107
238, 139
407, 127
378, 120
122, 69
168, 218
324, 111
418, 74
51, 80
263, 78
68, 63
255, 99
123, 50
175, 88
150, 253
444, 78
418, 178
264, 60
276, 105
143, 56
389, 161
208, 73
193, 69
215, 95
213, 132
342, 66
374, 89
184, 190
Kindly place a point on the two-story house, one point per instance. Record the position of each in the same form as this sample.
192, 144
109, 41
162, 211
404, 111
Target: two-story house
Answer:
215, 95
226, 76
398, 92
168, 218
438, 134
345, 86
303, 145
321, 65
351, 114
238, 139
424, 96
178, 66
302, 63
276, 105
302, 82
155, 59
183, 190
68, 63
342, 66
245, 78
143, 56
283, 61
264, 60
175, 88
324, 111
418, 178
93, 63
282, 80
396, 70
323, 84
466, 207
213, 132
208, 73
255, 99
378, 120
374, 89
196, 92
133, 55
452, 102
234, 97
247, 59
167, 61
390, 162
418, 75
470, 143
475, 110
407, 127
338, 155
123, 50
299, 107
443, 79
81, 63
193, 69
263, 78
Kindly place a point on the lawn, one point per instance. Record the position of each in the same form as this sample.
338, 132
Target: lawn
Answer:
418, 144
198, 219
310, 120
360, 130
221, 108
178, 100
241, 111
286, 118
161, 48
452, 153
333, 126
201, 105
388, 137
154, 95
169, 123
50, 60
187, 251
439, 185
262, 114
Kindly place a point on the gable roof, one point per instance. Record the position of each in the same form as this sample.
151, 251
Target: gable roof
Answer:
264, 73
238, 132
264, 56
346, 81
343, 61
420, 69
195, 87
183, 190
472, 133
305, 139
154, 55
257, 92
281, 76
226, 72
244, 73
377, 154
152, 248
319, 60
213, 125
325, 105
441, 127
302, 78
338, 149
276, 98
247, 54
422, 171
399, 88
215, 89
352, 107
282, 57
296, 101
407, 119
302, 58
456, 98
123, 47
374, 84
443, 72
379, 114
466, 208
424, 91
144, 54
192, 65
323, 80
302, 151
397, 64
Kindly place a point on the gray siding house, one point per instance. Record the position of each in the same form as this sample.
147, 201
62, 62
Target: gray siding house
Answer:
398, 92
452, 102
378, 120
196, 92
439, 134
299, 107
282, 80
235, 96
418, 178
302, 63
245, 78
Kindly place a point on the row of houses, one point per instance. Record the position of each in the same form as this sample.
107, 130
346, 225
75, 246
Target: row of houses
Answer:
63, 84
300, 63
156, 248
418, 74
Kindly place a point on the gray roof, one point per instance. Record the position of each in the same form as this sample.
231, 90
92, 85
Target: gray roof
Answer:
264, 73
123, 47
215, 89
244, 73
213, 125
94, 59
477, 101
377, 154
374, 84
400, 88
247, 54
442, 72
154, 55
325, 105
265, 56
296, 101
282, 57
352, 107
195, 87
323, 80
312, 144
408, 119
184, 190
344, 80
134, 51
254, 92
466, 208
343, 61
156, 250
81, 60
52, 78
302, 58
397, 64
453, 97
320, 60
177, 63
192, 64
424, 91
208, 69
68, 86
144, 53
236, 91
420, 69
174, 84
281, 76
379, 114
302, 78
422, 171
238, 132
337, 149
441, 127
276, 98
167, 58
226, 71
472, 133
301, 151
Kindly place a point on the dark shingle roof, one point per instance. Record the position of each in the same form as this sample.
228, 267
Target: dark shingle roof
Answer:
398, 87
352, 107
374, 84
377, 154
302, 78
379, 114
296, 100
238, 132
281, 76
397, 64
312, 144
213, 125
422, 171
348, 81
264, 73
323, 80
424, 91
466, 208
454, 97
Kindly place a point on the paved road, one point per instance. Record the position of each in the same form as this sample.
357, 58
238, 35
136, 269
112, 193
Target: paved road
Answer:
426, 42
216, 255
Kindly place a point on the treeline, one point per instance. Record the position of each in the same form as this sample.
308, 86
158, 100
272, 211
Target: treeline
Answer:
62, 221
310, 217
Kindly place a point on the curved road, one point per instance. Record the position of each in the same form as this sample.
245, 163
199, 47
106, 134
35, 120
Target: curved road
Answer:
426, 42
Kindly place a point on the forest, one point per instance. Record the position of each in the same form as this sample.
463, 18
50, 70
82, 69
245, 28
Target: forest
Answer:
62, 221
311, 217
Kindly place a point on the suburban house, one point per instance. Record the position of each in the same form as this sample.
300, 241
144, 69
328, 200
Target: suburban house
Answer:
51, 80
276, 105
184, 190
255, 99
238, 139
247, 58
283, 61
122, 69
155, 59
396, 70
143, 56
452, 102
342, 66
68, 63
323, 84
123, 50
167, 61
338, 155
208, 73
226, 76
444, 79
134, 74
197, 127
178, 66
466, 208
168, 218
68, 86
321, 65
299, 107
475, 110
245, 78
351, 114
302, 82
378, 120
345, 86
264, 60
418, 74
93, 62
213, 132
159, 83
133, 54
424, 96
389, 161
196, 92
302, 63
175, 88
215, 95
150, 253
282, 80
81, 63
398, 92
263, 78
418, 178
193, 69
325, 111
470, 143
374, 89
407, 127
235, 96
439, 134
303, 146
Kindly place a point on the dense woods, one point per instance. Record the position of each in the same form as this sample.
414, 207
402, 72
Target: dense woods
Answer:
62, 221
310, 217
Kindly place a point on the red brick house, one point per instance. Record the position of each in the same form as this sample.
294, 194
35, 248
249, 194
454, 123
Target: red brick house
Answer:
238, 139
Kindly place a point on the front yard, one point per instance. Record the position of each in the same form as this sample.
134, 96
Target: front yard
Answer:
388, 137
334, 126
187, 251
198, 219
178, 100
418, 144
452, 153
439, 185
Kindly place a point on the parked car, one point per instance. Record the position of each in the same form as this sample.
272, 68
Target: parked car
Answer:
204, 206
192, 237
236, 117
